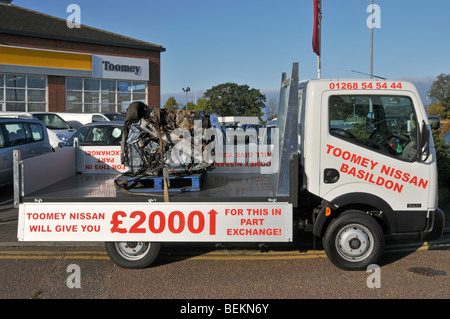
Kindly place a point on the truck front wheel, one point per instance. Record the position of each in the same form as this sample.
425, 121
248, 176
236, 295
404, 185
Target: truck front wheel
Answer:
132, 255
354, 240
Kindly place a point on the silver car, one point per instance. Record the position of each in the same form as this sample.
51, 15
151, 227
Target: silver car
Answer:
29, 136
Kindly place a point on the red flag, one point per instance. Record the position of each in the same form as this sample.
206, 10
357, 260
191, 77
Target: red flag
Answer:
317, 26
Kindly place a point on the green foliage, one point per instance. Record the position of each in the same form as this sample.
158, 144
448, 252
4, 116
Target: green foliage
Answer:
171, 104
233, 99
440, 93
443, 159
438, 109
202, 105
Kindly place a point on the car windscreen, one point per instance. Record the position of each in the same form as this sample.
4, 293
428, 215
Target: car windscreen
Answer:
53, 121
97, 135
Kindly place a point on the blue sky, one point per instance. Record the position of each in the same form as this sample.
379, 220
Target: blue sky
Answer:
251, 42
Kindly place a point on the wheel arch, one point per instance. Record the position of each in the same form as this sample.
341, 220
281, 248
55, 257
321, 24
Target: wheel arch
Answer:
368, 203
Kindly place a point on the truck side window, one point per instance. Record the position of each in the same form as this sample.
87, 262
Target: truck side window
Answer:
386, 124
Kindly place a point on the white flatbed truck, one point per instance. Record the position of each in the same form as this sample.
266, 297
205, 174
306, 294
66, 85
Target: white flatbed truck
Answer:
356, 162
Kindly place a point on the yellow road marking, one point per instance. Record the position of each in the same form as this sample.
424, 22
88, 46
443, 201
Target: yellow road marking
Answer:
220, 255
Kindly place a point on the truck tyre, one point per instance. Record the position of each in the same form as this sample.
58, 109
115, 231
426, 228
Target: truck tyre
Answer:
353, 241
132, 255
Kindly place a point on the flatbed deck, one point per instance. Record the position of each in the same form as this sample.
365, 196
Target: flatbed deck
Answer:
214, 187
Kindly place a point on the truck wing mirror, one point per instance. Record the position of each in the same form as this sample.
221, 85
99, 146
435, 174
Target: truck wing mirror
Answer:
424, 143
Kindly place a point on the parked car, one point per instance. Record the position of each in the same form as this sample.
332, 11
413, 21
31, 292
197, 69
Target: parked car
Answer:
28, 135
256, 127
98, 133
447, 140
57, 129
76, 120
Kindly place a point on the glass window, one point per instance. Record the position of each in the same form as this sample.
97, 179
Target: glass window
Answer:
73, 97
92, 95
98, 118
124, 97
91, 108
139, 97
74, 107
109, 97
109, 85
385, 124
91, 85
2, 139
37, 133
74, 84
36, 107
15, 95
53, 121
124, 86
16, 133
36, 82
36, 95
108, 108
16, 107
15, 81
21, 92
139, 87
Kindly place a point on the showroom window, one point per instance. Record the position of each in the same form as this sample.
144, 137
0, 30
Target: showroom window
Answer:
23, 93
92, 95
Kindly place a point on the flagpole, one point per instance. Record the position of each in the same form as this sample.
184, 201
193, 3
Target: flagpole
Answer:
317, 34
371, 40
318, 67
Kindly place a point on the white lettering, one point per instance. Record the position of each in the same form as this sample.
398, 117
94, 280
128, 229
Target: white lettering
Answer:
74, 20
374, 19
74, 280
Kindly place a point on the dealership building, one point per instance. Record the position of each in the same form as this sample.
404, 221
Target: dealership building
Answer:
45, 65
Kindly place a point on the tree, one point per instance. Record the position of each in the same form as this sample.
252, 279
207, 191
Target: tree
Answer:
440, 92
171, 104
202, 105
437, 108
233, 99
271, 109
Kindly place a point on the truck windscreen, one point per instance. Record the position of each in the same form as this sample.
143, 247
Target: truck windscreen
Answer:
385, 124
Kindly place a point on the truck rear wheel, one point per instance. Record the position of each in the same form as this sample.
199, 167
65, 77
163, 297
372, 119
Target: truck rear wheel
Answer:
354, 240
132, 255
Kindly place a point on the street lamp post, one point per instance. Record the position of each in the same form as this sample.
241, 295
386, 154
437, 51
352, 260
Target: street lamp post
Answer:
186, 90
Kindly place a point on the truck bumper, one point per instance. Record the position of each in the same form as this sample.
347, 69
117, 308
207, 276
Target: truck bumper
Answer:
434, 228
435, 225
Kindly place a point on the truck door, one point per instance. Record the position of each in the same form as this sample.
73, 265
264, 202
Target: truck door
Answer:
369, 144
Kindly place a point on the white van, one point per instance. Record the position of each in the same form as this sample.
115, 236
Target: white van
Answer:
58, 130
77, 120
27, 135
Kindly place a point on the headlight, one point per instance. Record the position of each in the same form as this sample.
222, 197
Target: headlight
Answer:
61, 137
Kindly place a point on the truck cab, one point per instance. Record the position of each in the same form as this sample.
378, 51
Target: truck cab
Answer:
366, 149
